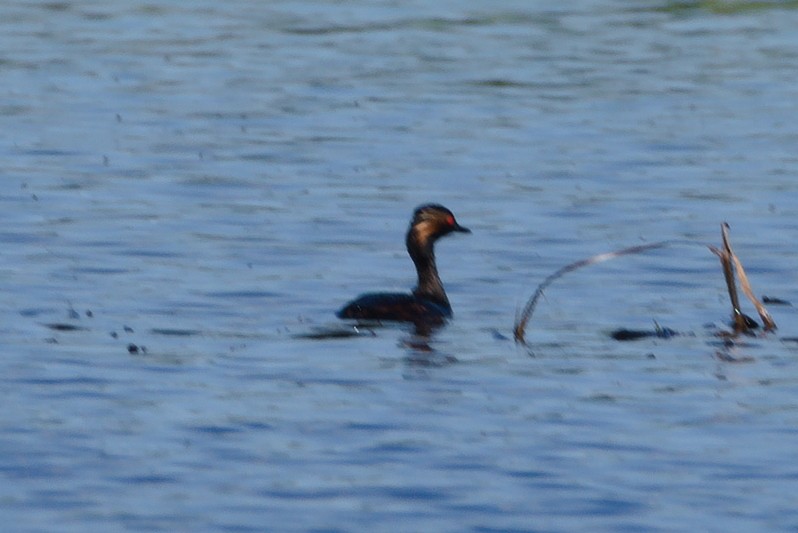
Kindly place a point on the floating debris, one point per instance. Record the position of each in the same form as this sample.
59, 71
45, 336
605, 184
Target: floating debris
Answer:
741, 322
522, 320
172, 332
60, 326
623, 334
775, 301
732, 270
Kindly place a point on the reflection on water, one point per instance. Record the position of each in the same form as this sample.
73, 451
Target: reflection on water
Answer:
212, 180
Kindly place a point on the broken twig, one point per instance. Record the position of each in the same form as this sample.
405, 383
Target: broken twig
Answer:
742, 323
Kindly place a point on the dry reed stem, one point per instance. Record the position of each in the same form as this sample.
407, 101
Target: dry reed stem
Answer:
727, 259
725, 256
767, 320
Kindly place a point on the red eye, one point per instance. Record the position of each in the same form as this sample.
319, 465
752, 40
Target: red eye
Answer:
450, 220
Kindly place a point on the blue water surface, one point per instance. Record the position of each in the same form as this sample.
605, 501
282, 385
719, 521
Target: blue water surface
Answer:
190, 191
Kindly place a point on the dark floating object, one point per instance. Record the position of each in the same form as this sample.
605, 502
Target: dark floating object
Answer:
133, 349
749, 322
172, 332
774, 301
427, 305
623, 334
59, 326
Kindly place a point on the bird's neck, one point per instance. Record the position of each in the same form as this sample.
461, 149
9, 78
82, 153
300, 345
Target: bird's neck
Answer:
429, 285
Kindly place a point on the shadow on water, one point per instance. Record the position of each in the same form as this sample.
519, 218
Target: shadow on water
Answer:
418, 342
338, 332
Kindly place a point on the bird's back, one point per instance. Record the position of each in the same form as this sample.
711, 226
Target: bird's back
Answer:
398, 307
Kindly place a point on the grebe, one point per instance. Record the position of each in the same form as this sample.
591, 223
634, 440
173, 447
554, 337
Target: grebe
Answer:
427, 304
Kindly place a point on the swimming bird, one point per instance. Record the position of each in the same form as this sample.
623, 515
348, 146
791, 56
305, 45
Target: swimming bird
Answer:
427, 304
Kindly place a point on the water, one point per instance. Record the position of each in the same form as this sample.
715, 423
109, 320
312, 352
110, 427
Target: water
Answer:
190, 191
